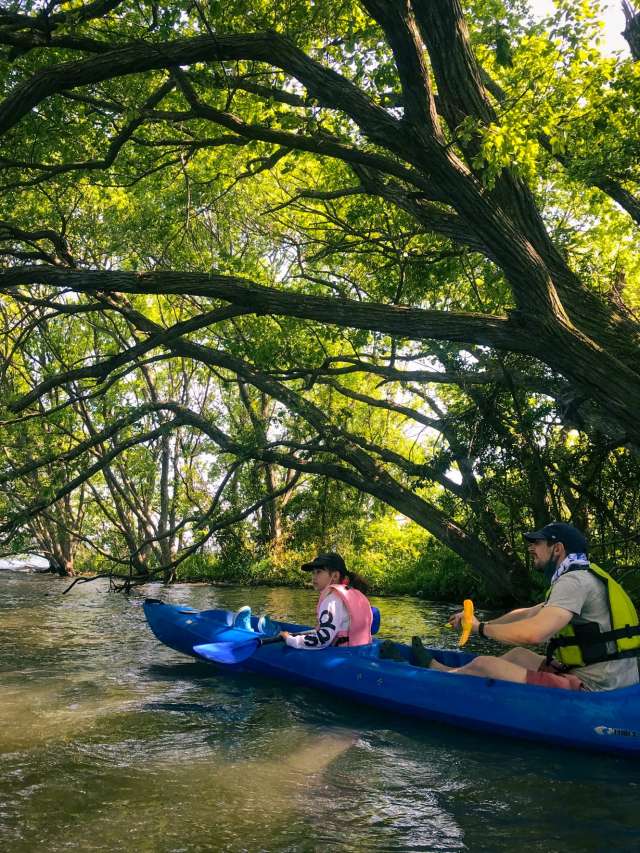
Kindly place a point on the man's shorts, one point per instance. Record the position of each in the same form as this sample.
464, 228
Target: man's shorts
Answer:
551, 676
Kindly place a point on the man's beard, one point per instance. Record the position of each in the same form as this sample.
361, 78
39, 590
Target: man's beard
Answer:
549, 569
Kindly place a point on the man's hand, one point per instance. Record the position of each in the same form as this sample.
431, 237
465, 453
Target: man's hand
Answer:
455, 619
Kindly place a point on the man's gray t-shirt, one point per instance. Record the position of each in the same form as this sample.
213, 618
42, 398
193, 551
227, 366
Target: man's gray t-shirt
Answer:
585, 596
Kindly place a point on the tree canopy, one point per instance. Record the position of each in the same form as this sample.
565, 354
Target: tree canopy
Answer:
251, 249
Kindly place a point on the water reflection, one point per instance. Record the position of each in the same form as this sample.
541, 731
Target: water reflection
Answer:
54, 709
195, 798
111, 741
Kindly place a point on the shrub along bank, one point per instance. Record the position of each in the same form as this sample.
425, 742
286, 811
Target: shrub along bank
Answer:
433, 573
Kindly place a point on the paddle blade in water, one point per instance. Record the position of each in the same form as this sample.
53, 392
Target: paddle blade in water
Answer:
227, 652
467, 621
234, 652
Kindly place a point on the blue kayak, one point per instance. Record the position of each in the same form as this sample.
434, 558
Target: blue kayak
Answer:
607, 721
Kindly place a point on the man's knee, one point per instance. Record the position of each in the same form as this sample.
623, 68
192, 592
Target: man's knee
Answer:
479, 665
492, 667
523, 657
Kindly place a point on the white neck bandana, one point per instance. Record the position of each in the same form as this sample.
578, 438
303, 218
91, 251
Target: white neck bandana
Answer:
570, 560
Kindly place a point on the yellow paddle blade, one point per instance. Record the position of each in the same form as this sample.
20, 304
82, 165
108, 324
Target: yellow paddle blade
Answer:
467, 621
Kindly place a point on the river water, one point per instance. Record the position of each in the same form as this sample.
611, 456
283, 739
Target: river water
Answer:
110, 741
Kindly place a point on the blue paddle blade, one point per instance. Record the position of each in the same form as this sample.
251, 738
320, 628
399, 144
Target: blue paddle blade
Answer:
227, 652
234, 652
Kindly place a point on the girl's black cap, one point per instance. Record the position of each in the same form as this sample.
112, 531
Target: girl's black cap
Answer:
330, 560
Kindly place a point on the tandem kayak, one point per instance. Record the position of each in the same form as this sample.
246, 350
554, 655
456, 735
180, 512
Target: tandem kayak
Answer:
607, 721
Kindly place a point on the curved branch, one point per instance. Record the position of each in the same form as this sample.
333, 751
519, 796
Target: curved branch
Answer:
68, 456
323, 144
407, 323
22, 43
370, 477
59, 242
549, 387
324, 85
101, 370
114, 147
17, 519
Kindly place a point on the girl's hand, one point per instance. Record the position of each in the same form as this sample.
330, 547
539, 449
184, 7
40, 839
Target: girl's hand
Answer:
284, 634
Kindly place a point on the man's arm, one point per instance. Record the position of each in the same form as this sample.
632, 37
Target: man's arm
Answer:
512, 616
517, 615
546, 622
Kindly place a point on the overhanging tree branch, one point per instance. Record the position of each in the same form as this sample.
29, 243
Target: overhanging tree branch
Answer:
409, 323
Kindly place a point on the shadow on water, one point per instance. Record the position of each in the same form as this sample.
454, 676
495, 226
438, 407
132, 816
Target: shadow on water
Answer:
193, 670
113, 742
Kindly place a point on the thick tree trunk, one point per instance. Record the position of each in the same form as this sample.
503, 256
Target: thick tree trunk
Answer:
632, 28
270, 515
56, 568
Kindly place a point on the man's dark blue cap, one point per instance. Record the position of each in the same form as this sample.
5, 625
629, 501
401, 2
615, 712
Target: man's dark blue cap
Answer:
559, 531
331, 561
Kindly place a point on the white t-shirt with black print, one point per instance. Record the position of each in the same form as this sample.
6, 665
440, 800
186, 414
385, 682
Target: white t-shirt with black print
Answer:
334, 617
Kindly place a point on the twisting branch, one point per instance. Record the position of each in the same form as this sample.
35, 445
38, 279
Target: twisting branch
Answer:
113, 149
103, 369
411, 323
396, 19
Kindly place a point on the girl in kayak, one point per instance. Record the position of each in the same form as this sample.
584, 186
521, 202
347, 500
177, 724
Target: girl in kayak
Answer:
344, 612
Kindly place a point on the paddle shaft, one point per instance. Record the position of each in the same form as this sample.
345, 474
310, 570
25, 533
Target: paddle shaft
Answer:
268, 640
234, 652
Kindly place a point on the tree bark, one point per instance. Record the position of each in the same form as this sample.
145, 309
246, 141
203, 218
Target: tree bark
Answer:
632, 28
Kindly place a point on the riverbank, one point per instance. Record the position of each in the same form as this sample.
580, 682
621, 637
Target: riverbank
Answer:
446, 579
439, 584
434, 575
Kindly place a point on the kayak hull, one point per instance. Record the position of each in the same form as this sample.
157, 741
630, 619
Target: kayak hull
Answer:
606, 721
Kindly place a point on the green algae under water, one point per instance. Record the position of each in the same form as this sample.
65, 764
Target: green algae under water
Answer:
110, 741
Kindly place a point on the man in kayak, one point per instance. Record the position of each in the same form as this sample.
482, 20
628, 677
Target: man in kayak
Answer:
344, 613
589, 622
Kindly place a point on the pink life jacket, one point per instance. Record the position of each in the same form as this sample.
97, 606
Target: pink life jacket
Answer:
360, 615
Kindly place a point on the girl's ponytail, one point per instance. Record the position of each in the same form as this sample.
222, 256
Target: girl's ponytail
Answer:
356, 581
